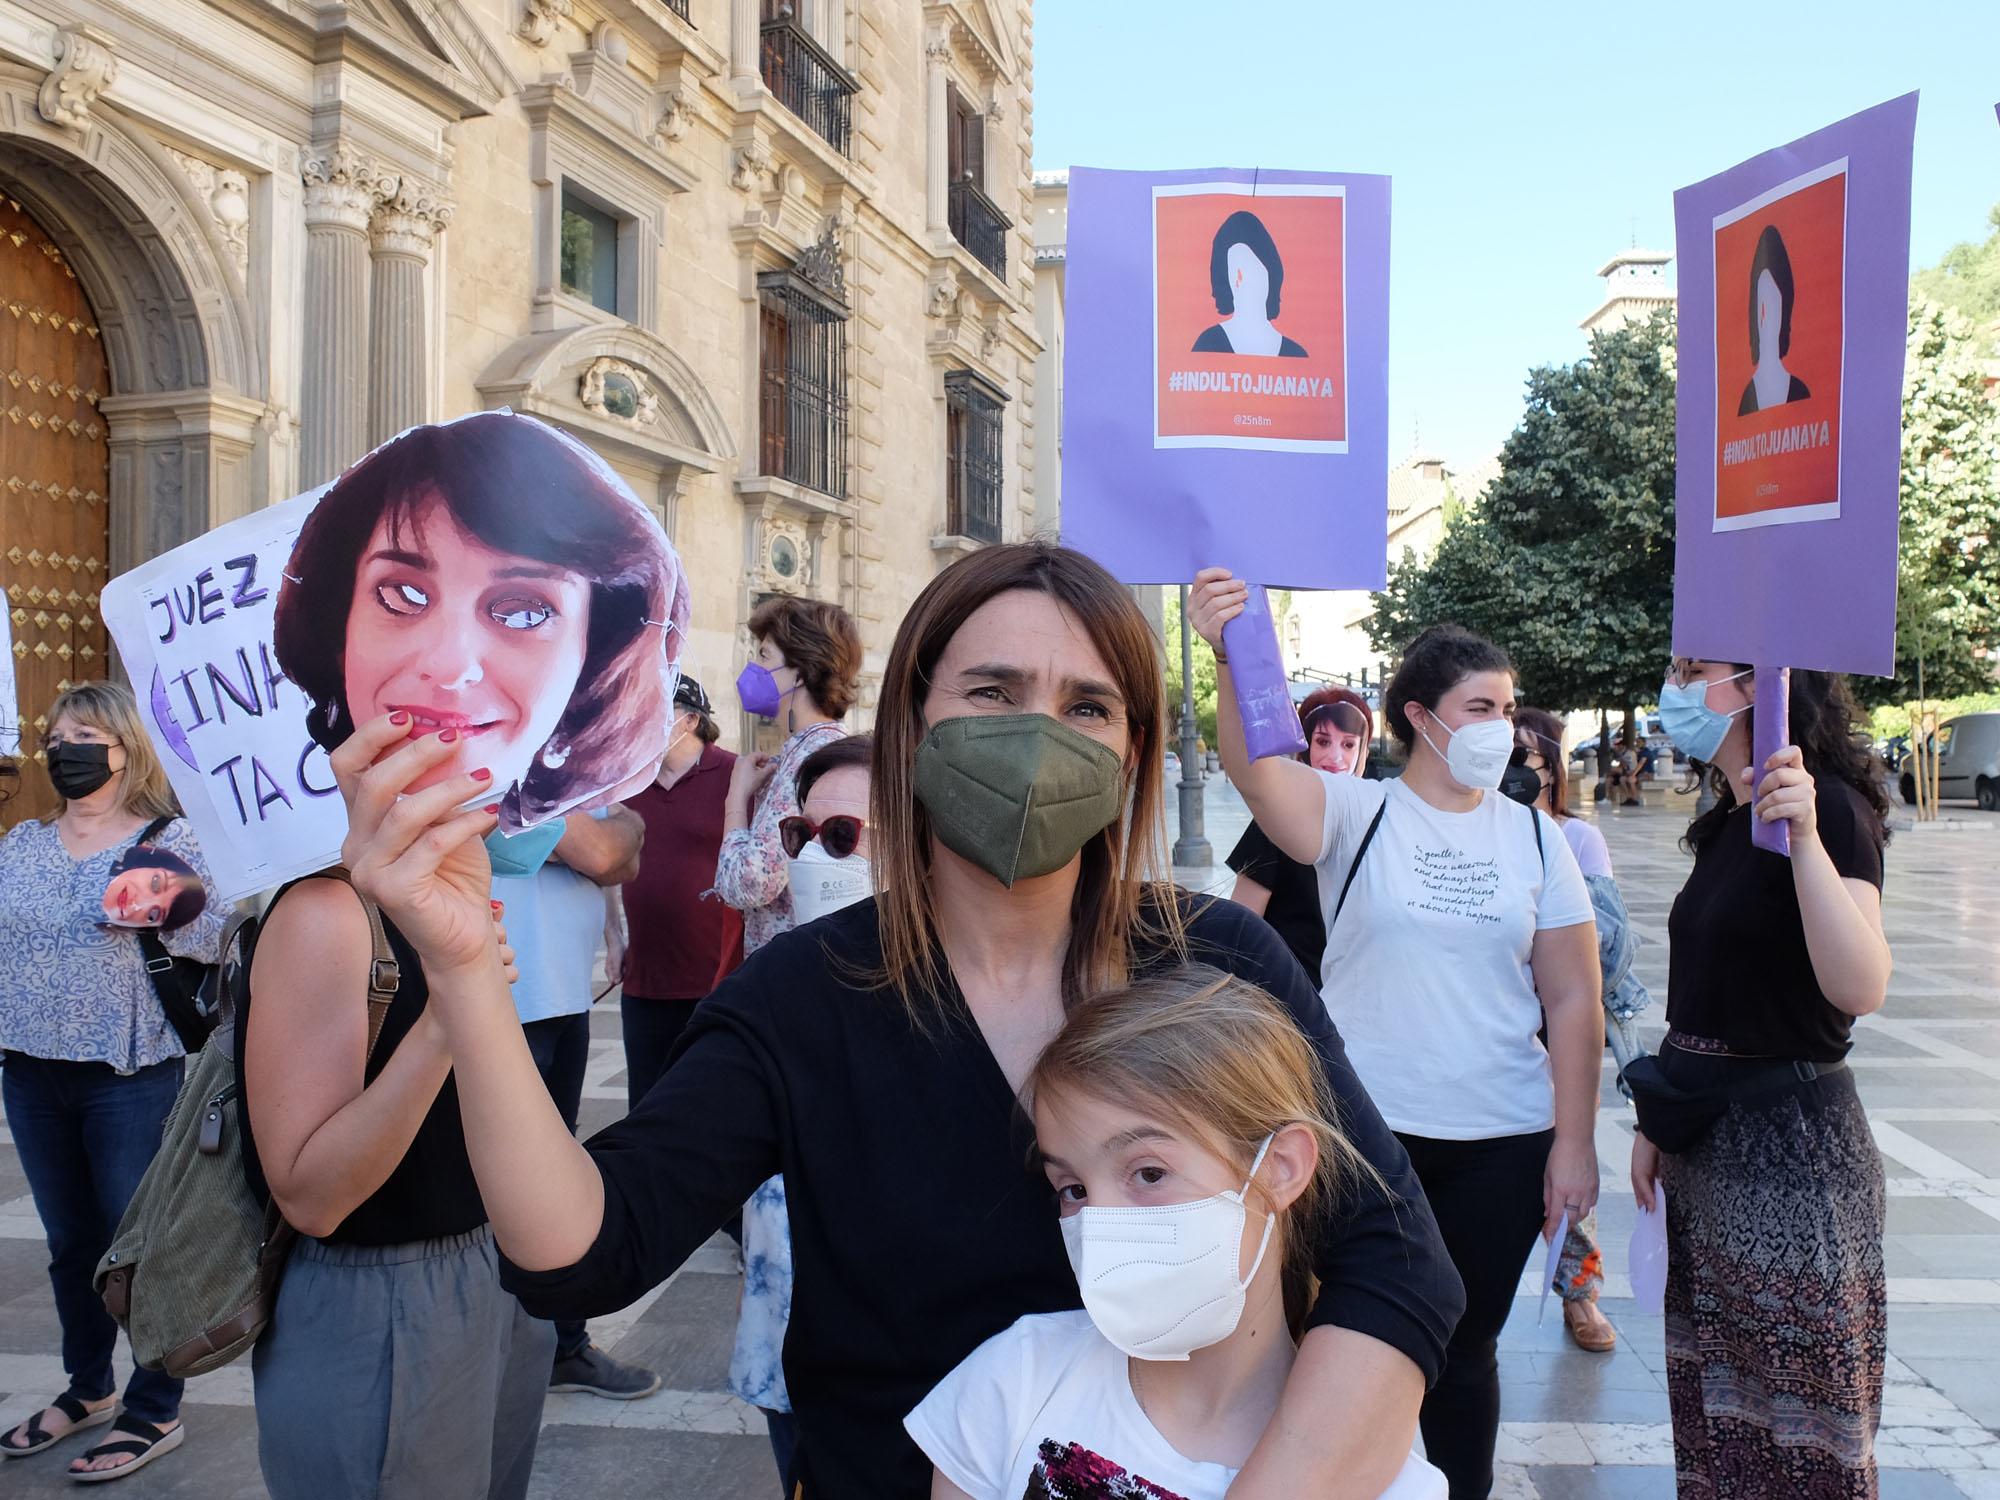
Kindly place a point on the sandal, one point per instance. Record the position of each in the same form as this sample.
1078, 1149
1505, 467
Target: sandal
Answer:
144, 1442
1589, 1327
39, 1437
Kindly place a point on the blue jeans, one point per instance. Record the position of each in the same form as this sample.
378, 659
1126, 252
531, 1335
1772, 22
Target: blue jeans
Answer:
86, 1136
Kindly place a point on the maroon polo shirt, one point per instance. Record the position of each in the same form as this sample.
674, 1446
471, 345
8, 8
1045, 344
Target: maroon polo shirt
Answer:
675, 937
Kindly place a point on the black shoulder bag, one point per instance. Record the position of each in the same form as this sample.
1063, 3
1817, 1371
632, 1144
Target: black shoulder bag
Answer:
186, 986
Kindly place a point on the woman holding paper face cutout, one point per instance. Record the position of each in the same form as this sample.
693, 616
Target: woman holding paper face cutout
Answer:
1771, 296
491, 576
93, 1064
153, 888
1776, 1301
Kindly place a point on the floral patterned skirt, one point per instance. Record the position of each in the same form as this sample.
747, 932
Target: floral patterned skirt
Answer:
1776, 1308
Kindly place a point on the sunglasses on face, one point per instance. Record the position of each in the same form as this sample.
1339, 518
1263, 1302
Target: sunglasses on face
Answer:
839, 835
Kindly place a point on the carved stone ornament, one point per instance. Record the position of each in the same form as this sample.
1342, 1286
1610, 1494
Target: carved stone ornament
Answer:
787, 557
990, 336
819, 264
751, 163
937, 43
85, 68
942, 299
612, 388
344, 187
678, 110
540, 19
408, 218
225, 192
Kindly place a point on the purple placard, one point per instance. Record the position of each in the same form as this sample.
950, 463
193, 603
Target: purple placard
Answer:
1257, 673
1787, 468
1255, 439
1771, 731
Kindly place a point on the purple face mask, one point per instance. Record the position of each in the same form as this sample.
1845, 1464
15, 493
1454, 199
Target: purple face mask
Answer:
758, 691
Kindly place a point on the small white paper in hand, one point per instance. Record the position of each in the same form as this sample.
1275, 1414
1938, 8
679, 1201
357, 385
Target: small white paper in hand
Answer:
1549, 1261
1648, 1255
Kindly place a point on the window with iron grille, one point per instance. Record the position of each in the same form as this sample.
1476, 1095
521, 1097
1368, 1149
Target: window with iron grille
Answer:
975, 473
802, 358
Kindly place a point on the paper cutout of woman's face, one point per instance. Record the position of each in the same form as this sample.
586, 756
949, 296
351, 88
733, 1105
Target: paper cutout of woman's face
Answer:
153, 887
462, 637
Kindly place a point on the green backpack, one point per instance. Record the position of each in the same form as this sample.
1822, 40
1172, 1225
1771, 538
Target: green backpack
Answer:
192, 1274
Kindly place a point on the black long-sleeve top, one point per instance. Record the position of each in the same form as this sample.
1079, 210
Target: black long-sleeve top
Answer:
920, 1226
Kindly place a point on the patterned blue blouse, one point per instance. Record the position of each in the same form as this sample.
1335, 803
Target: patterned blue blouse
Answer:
71, 988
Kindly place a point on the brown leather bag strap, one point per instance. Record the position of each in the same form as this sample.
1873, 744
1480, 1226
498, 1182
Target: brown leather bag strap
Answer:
385, 972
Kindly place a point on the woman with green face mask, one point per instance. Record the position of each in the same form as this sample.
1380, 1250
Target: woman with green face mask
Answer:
876, 1056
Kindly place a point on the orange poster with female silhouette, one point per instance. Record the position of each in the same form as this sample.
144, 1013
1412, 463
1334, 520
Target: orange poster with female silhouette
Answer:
1779, 345
1249, 316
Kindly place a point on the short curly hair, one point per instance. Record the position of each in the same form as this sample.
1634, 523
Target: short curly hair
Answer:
819, 641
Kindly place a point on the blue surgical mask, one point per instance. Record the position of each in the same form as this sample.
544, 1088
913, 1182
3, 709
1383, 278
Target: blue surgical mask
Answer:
1695, 728
521, 854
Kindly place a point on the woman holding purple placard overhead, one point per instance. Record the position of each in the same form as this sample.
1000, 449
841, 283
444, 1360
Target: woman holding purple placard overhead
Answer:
1456, 919
1776, 1303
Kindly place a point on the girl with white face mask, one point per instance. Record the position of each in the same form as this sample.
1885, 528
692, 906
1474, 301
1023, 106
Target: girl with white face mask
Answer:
1455, 919
1184, 1126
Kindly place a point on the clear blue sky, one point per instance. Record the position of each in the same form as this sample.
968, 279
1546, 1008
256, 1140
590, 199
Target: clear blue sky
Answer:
1528, 142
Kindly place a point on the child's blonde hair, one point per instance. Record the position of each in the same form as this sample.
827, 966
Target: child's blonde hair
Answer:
1217, 1054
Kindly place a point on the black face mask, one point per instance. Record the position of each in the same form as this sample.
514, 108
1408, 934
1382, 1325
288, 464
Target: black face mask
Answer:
1521, 782
78, 770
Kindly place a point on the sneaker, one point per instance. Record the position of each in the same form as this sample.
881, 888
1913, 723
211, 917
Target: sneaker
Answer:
596, 1373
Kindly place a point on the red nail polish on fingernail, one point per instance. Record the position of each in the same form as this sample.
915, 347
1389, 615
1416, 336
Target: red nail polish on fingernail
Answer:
495, 905
447, 735
399, 717
493, 809
482, 774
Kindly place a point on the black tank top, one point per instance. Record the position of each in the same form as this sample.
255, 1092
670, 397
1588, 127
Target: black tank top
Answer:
431, 1194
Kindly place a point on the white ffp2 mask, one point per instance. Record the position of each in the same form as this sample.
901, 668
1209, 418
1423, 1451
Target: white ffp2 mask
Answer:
821, 884
1476, 754
1160, 1283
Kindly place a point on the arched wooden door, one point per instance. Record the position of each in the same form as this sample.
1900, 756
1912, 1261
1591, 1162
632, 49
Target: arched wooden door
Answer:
54, 479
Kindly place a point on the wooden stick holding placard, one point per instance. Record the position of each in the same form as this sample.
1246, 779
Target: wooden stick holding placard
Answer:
1263, 693
1771, 731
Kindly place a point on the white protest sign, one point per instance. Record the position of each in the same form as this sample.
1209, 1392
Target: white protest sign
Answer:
10, 698
194, 628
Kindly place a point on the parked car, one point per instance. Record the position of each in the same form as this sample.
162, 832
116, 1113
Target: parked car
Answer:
1173, 763
1968, 762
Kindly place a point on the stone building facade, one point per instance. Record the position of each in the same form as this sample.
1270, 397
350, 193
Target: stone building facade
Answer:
771, 258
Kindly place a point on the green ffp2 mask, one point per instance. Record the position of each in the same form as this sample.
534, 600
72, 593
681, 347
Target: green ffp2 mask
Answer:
1017, 794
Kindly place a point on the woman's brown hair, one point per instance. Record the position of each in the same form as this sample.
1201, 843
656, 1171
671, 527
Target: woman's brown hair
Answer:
1110, 912
819, 642
1547, 732
1217, 1055
108, 708
1327, 697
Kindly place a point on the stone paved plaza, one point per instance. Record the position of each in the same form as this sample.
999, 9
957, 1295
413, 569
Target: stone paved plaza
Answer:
1576, 1425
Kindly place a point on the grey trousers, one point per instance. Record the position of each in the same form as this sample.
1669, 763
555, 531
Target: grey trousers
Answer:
399, 1372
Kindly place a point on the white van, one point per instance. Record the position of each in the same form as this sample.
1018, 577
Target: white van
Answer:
1968, 751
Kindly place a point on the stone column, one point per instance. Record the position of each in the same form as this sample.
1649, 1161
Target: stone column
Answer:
937, 190
401, 234
745, 39
341, 191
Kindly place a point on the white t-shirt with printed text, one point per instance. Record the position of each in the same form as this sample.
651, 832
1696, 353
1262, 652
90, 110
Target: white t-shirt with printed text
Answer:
1427, 971
1046, 1408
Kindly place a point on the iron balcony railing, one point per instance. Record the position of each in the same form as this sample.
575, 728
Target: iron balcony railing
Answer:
809, 82
979, 226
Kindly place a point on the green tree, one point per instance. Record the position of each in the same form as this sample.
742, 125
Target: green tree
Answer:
1204, 676
1967, 280
1948, 604
1568, 559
